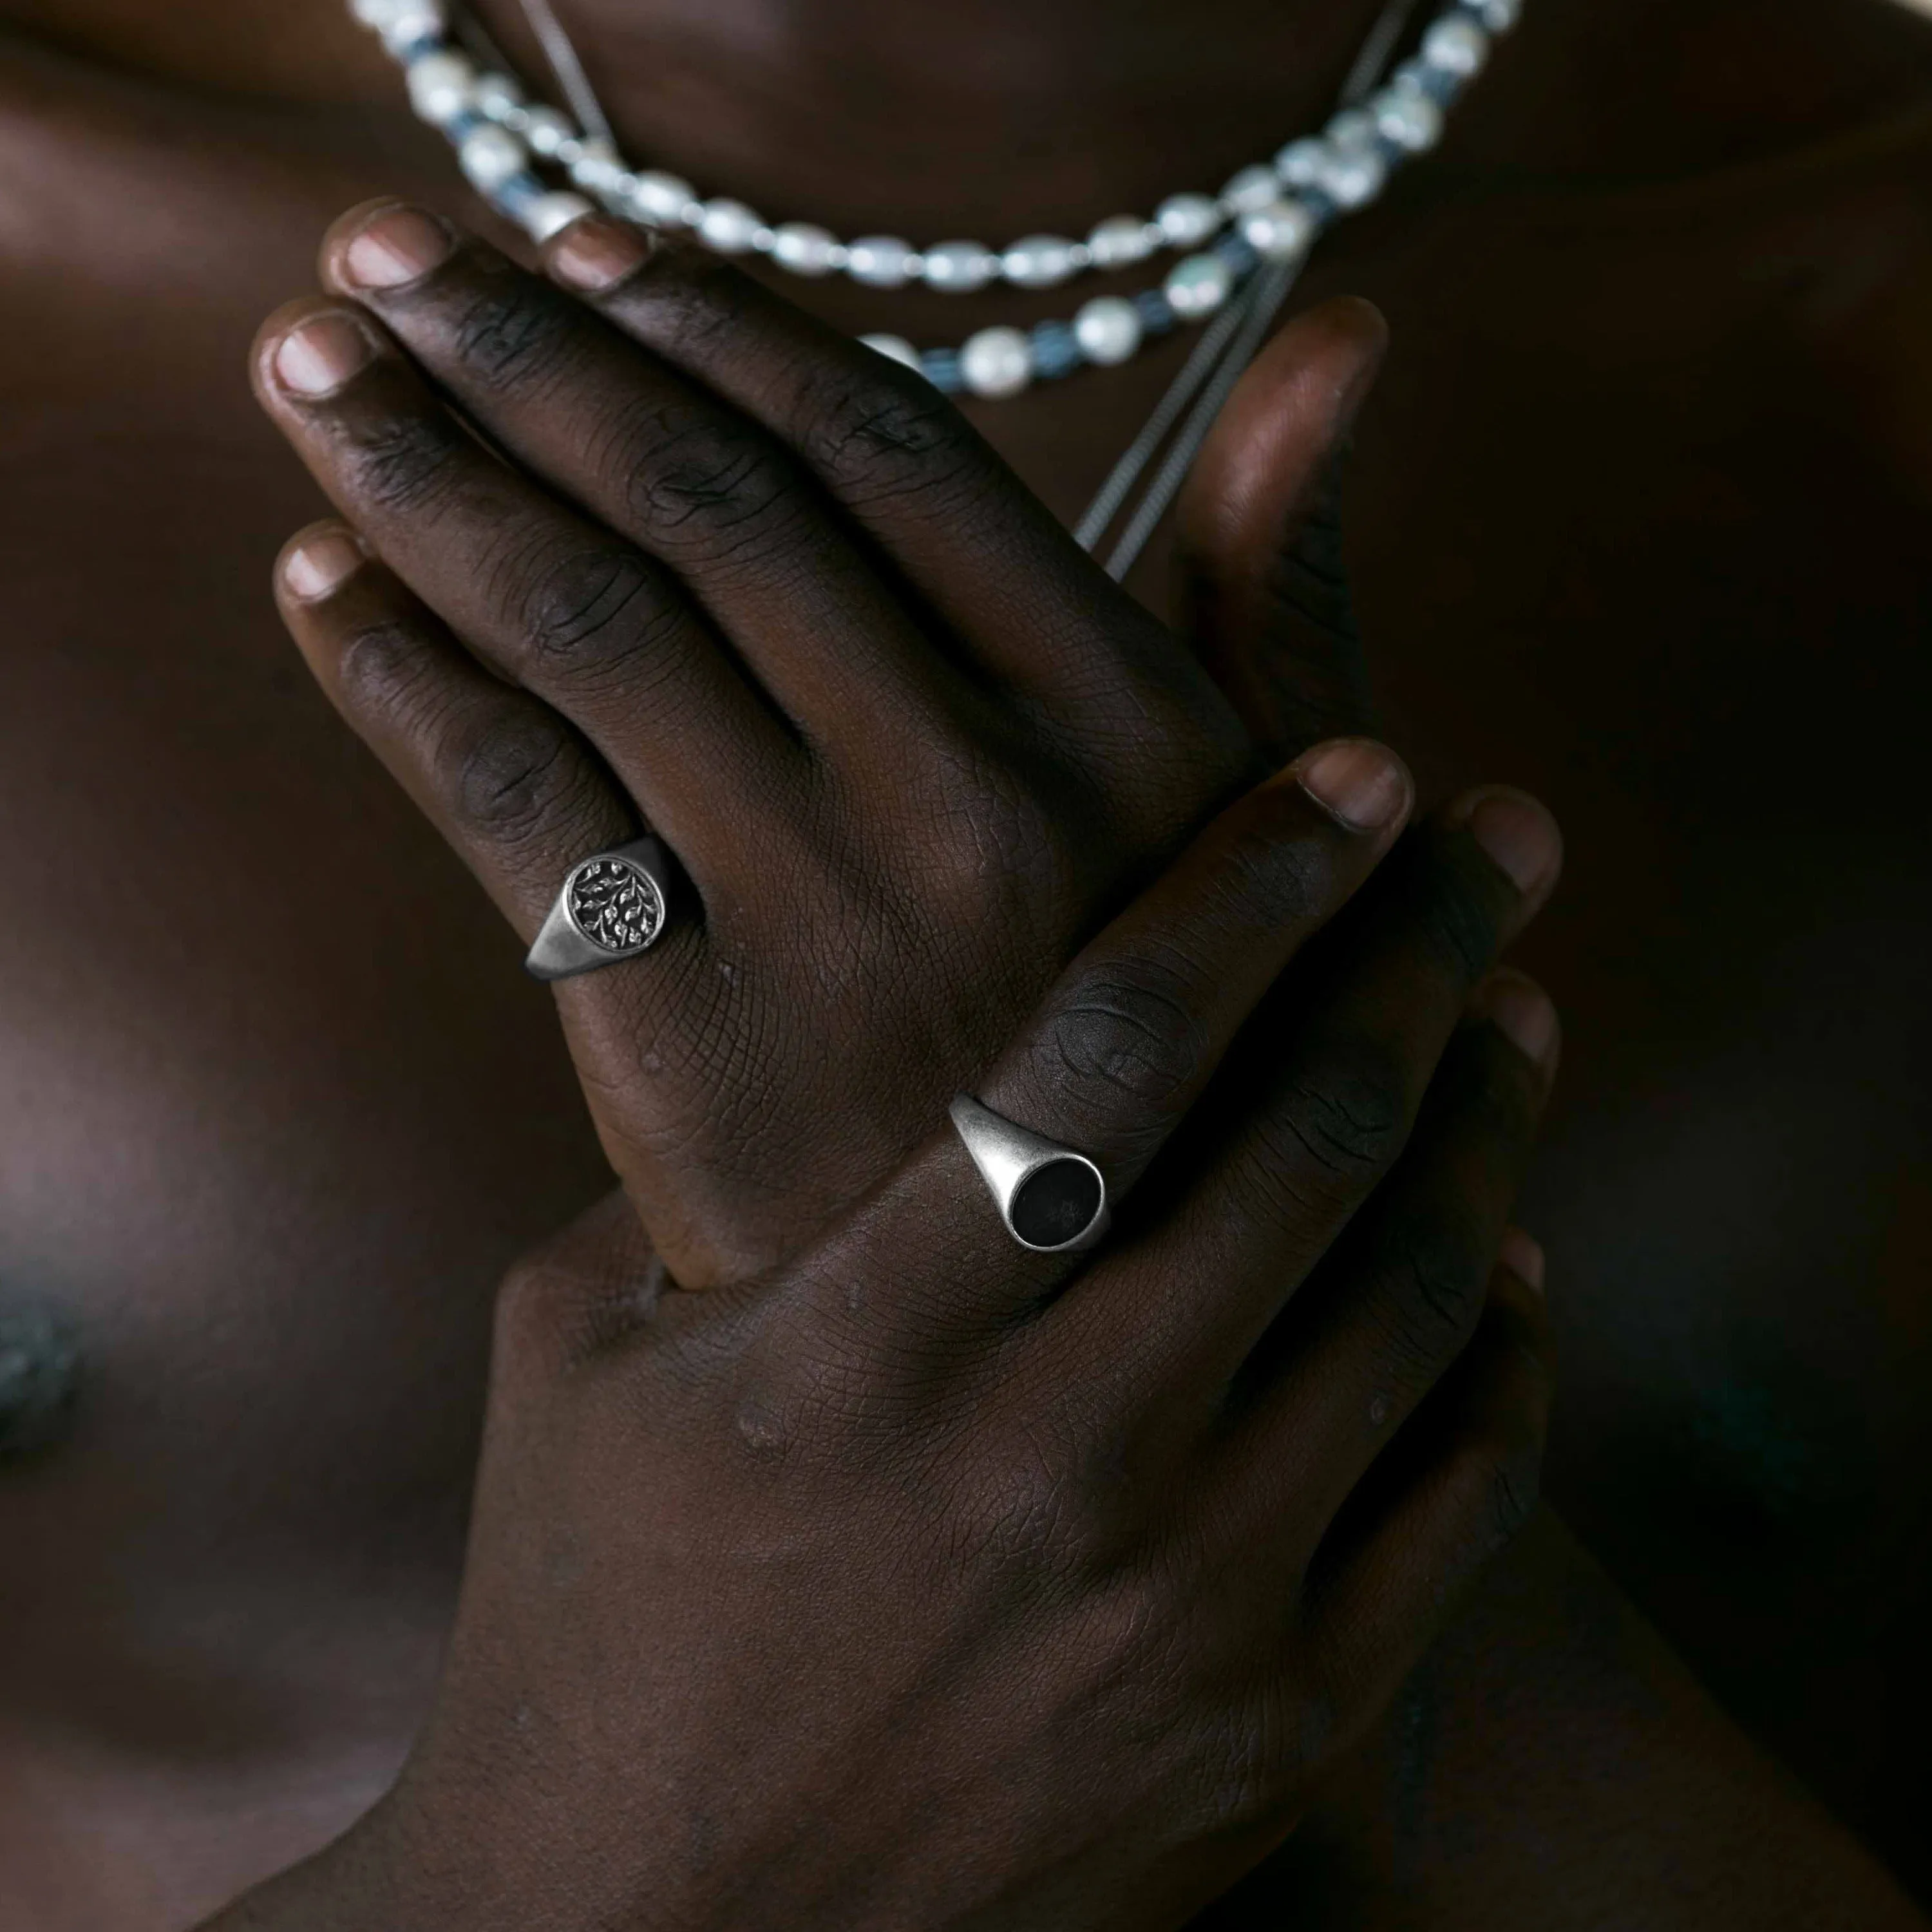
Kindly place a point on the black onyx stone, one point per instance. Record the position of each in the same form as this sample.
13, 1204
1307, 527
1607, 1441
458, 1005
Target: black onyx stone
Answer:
1056, 1203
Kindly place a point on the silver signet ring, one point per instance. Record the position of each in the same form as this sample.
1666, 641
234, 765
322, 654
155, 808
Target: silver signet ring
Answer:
612, 906
1052, 1200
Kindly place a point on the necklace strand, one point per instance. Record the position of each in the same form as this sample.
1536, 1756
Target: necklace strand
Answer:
1268, 214
1238, 285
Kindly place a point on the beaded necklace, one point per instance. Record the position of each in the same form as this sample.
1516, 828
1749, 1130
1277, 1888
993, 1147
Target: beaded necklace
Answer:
1245, 244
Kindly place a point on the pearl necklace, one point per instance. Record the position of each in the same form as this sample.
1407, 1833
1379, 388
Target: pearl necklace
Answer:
1268, 214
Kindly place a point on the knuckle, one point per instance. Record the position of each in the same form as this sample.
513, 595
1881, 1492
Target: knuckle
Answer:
1516, 1486
695, 299
1438, 1272
1128, 1032
510, 329
1458, 928
880, 439
403, 463
583, 605
513, 776
381, 667
1348, 1113
705, 484
1308, 582
1494, 1488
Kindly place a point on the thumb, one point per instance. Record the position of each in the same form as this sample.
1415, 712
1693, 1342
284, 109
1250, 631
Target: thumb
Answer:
1264, 597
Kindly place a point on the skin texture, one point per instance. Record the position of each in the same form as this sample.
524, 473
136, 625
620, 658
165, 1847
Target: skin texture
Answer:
962, 1585
895, 797
255, 1432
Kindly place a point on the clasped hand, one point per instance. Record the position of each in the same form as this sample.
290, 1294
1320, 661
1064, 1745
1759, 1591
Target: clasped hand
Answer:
900, 1577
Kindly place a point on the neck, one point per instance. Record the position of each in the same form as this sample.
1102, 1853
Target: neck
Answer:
984, 117
993, 118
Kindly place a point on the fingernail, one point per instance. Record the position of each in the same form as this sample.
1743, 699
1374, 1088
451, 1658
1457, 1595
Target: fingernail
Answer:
1364, 784
320, 562
398, 246
593, 255
1517, 833
318, 358
1522, 1254
1521, 1011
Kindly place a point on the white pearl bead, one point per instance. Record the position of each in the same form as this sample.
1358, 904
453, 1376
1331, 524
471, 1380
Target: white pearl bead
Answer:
496, 94
597, 169
996, 362
1350, 129
489, 156
1456, 45
895, 348
1301, 163
1251, 188
881, 261
1039, 261
417, 21
1279, 231
1108, 329
729, 227
1411, 121
1499, 16
1199, 285
546, 131
804, 249
1354, 177
664, 200
440, 87
550, 212
1186, 219
1120, 240
388, 17
959, 267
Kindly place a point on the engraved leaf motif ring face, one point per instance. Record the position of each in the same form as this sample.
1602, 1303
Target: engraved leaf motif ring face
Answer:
614, 905
611, 906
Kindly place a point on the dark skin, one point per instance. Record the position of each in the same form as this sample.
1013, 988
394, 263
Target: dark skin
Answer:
381, 1230
920, 1579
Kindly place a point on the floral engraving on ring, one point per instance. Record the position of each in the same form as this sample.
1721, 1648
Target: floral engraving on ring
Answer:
615, 904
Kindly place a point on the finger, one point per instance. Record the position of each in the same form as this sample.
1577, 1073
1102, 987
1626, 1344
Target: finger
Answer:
1398, 1299
1322, 1099
521, 799
1125, 1042
518, 794
1462, 1481
1123, 1046
1265, 596
692, 481
556, 603
980, 550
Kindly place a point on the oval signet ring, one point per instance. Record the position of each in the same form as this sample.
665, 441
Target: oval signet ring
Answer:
612, 906
1052, 1200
